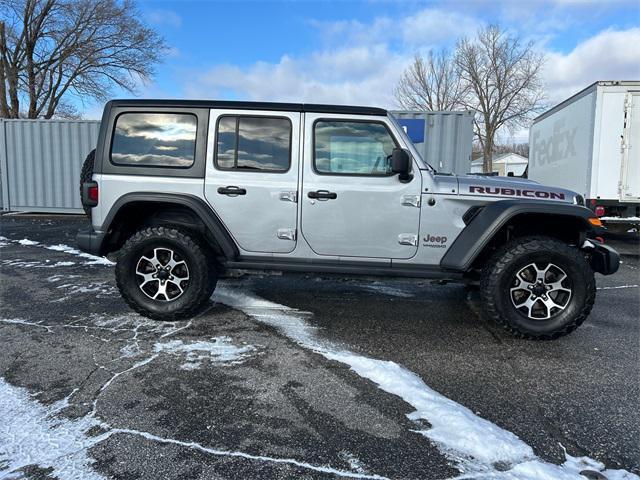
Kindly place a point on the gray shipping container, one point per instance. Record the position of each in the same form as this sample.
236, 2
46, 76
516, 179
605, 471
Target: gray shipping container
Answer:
40, 162
444, 139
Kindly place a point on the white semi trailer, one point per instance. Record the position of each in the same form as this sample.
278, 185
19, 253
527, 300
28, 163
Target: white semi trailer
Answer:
590, 143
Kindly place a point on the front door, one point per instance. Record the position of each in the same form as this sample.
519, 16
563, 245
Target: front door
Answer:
252, 177
352, 205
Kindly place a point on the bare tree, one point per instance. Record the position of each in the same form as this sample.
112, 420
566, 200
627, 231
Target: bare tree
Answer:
505, 81
431, 84
51, 50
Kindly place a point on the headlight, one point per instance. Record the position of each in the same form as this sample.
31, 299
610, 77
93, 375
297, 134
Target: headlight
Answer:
578, 200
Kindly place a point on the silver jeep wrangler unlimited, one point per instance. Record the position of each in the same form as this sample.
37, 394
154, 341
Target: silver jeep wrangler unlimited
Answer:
183, 190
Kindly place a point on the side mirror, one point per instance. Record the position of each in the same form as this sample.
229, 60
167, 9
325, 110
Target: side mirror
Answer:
401, 164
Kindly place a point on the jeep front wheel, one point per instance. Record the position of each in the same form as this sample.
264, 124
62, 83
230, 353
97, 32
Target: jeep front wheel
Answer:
165, 274
537, 288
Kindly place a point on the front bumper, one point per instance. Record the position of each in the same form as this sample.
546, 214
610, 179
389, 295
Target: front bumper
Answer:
603, 258
90, 241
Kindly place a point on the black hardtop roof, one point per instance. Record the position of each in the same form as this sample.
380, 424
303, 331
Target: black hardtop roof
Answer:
230, 104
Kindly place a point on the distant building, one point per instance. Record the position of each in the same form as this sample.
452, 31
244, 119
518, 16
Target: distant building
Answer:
503, 164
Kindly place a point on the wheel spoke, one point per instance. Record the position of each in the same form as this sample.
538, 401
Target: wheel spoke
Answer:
148, 277
550, 304
541, 274
162, 290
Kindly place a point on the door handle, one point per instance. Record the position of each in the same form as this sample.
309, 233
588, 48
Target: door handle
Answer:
323, 195
232, 190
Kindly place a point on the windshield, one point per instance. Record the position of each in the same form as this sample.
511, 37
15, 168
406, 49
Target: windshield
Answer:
409, 142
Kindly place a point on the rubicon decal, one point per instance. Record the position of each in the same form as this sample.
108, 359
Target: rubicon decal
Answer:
516, 192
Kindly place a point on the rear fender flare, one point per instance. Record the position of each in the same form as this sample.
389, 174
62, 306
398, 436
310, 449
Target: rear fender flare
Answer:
201, 209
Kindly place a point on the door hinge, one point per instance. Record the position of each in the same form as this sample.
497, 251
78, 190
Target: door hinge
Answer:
287, 234
408, 239
411, 200
289, 197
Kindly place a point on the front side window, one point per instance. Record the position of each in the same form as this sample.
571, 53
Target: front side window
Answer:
154, 139
253, 144
352, 148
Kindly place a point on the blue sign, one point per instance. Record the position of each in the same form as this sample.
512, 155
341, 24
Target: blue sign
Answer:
414, 128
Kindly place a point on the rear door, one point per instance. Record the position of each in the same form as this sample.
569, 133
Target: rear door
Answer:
352, 206
252, 177
630, 178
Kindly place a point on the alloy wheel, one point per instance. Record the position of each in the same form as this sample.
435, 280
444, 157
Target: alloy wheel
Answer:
541, 290
162, 274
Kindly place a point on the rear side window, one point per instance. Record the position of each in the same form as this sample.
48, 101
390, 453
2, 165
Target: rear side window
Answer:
253, 144
154, 139
352, 148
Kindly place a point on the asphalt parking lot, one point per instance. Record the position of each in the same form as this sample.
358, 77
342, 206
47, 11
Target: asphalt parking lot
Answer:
301, 377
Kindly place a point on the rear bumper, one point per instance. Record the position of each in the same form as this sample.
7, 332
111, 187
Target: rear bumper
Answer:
603, 258
90, 241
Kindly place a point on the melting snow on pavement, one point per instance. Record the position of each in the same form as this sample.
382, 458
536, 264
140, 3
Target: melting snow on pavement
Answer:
34, 434
93, 259
31, 433
72, 251
479, 448
221, 350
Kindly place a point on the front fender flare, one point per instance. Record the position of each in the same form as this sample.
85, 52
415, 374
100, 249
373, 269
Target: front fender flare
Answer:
493, 216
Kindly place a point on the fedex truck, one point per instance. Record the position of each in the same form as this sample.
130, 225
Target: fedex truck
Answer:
590, 143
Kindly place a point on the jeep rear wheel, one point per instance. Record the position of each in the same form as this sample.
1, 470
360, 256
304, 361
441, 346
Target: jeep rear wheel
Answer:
165, 274
537, 288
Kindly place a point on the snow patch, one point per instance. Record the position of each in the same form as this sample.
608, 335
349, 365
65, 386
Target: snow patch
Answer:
101, 289
476, 445
72, 251
32, 434
26, 242
618, 287
34, 264
220, 351
20, 321
94, 260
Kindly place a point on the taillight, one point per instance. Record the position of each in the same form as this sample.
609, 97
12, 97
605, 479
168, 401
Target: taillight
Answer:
92, 193
599, 211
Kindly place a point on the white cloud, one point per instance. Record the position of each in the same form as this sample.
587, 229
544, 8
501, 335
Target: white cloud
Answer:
609, 55
439, 27
357, 75
429, 27
164, 17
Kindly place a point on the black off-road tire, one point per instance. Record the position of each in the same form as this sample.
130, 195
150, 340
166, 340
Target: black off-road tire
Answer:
499, 273
203, 274
85, 176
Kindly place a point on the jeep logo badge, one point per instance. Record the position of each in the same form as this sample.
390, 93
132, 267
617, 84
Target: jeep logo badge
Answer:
435, 241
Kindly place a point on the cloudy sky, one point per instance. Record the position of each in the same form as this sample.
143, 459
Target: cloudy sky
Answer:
355, 51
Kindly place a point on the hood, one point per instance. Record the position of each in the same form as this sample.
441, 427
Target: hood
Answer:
511, 187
